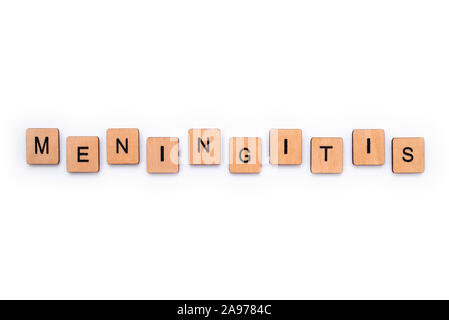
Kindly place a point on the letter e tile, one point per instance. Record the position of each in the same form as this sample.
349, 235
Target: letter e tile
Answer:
83, 154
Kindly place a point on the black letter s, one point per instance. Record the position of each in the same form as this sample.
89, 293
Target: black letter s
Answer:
404, 151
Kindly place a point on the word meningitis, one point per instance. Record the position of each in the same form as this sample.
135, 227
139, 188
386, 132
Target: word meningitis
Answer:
245, 153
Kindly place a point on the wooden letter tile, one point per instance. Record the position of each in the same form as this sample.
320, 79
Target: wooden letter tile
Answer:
204, 146
408, 155
285, 146
245, 155
122, 146
83, 154
368, 147
326, 155
42, 146
162, 155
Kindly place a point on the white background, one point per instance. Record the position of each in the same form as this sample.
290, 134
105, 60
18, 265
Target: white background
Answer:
326, 67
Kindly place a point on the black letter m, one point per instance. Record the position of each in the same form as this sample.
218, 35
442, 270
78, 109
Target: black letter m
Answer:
37, 145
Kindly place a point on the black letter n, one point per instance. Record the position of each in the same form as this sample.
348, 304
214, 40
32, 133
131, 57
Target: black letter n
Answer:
118, 142
37, 145
205, 146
